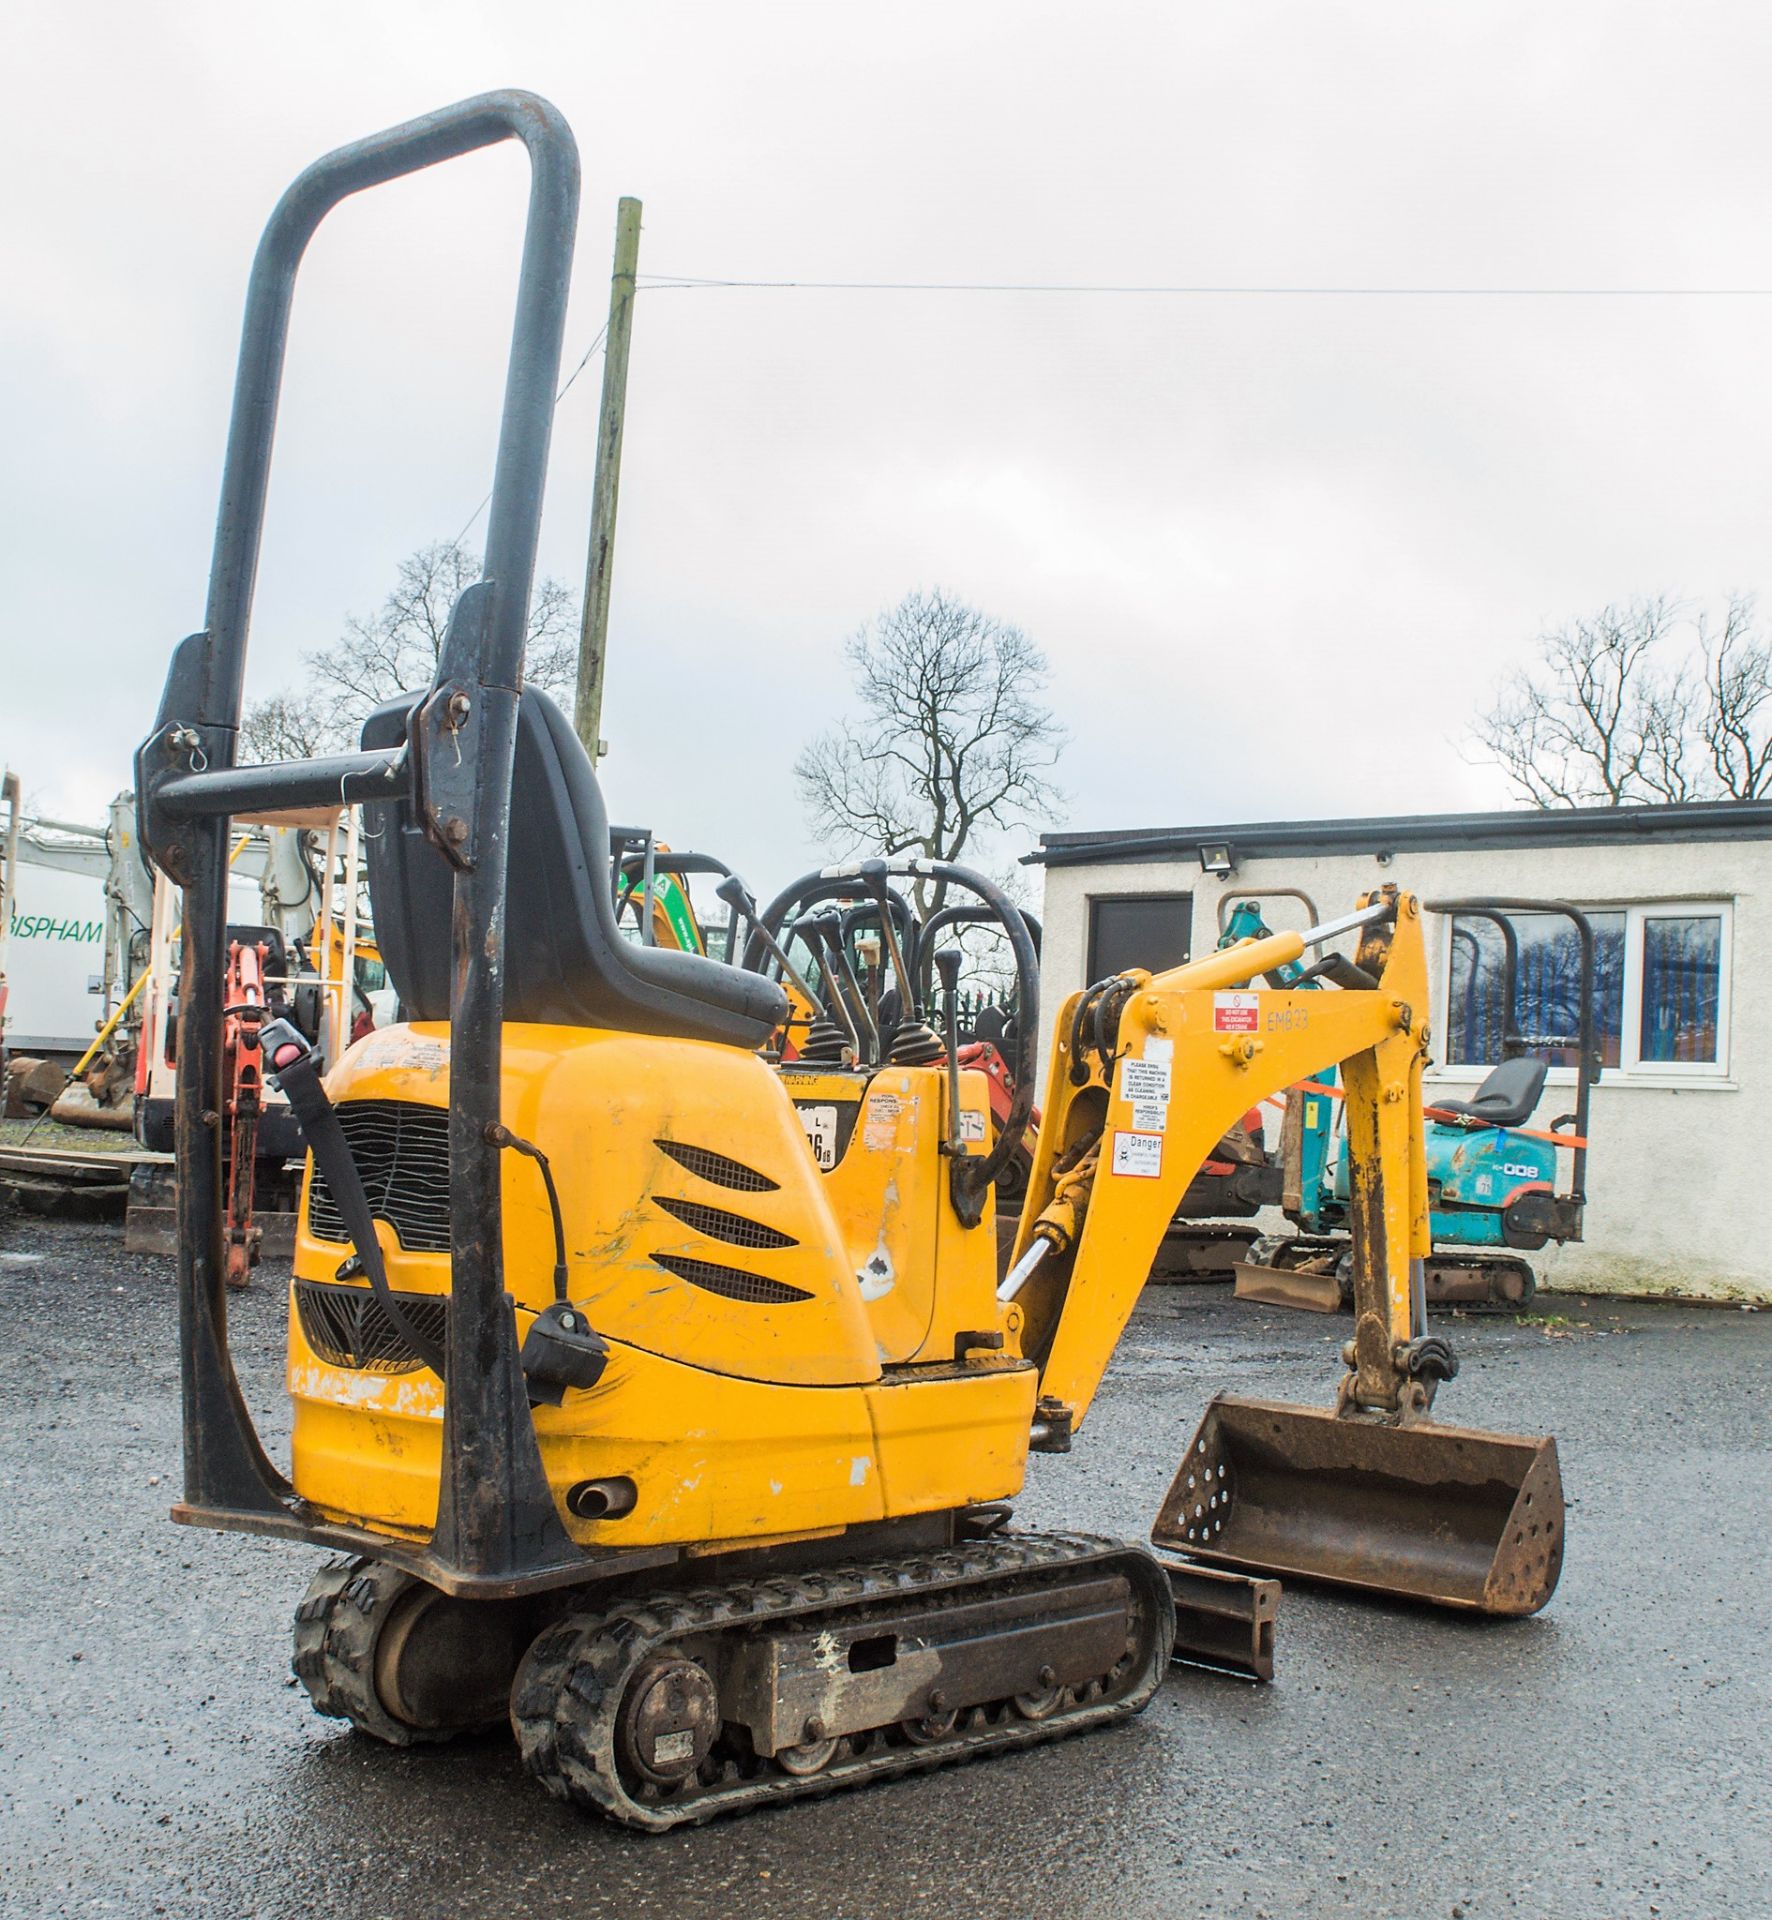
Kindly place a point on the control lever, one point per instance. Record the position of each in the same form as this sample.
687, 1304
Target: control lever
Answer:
740, 899
851, 1009
872, 874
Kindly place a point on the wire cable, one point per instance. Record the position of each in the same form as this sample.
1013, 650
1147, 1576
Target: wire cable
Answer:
668, 282
584, 361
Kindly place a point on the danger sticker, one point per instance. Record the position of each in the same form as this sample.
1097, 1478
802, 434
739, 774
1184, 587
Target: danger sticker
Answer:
1236, 1012
1145, 1082
1138, 1156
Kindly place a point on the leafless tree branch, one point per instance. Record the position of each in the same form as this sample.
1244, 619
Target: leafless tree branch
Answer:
395, 650
1638, 703
951, 742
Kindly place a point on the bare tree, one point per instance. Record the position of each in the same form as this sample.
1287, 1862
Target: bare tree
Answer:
286, 726
1638, 703
1737, 724
952, 740
395, 650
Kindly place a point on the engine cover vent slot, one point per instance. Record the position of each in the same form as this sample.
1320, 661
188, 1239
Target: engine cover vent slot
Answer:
348, 1327
402, 1155
731, 1283
715, 1168
718, 1224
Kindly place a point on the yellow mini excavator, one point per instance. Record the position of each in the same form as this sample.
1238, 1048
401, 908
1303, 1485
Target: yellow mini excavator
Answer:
633, 1421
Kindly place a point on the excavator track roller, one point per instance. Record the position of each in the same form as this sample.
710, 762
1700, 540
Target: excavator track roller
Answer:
1450, 1515
680, 1706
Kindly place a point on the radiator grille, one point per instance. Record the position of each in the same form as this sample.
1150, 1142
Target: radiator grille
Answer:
402, 1155
349, 1327
707, 1165
731, 1283
718, 1224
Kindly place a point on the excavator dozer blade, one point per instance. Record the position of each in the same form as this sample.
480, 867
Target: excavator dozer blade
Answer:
1288, 1287
1450, 1515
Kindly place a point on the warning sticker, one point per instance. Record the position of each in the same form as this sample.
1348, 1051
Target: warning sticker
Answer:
1138, 1156
1145, 1081
971, 1125
882, 1120
1150, 1116
1236, 1012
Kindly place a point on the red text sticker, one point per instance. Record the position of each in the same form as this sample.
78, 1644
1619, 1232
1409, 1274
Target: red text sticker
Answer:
1236, 1012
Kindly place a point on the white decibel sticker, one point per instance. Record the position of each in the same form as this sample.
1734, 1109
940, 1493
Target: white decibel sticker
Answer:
821, 1130
1145, 1081
1236, 1012
1139, 1156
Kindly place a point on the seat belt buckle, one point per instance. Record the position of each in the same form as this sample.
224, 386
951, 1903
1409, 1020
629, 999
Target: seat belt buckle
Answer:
283, 1045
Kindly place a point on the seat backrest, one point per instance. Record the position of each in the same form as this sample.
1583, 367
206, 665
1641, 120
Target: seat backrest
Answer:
1510, 1092
566, 963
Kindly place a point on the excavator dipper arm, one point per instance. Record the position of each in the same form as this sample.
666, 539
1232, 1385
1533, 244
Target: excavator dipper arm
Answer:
1147, 1073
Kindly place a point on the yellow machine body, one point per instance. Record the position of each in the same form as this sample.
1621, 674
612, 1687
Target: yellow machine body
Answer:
810, 1350
783, 1341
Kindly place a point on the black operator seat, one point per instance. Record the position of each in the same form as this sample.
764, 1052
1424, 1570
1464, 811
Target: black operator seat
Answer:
1508, 1096
565, 962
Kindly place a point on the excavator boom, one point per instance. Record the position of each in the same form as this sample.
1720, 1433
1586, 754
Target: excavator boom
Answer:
1147, 1071
1133, 1108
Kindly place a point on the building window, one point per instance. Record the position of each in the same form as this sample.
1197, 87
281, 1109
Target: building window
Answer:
1660, 998
1148, 930
1682, 989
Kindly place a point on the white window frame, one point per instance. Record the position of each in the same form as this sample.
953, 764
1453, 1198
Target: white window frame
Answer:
1632, 1070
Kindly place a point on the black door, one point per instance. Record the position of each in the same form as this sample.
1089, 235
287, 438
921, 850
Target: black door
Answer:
1149, 930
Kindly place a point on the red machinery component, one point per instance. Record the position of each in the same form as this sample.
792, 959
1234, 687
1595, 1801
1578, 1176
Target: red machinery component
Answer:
243, 1078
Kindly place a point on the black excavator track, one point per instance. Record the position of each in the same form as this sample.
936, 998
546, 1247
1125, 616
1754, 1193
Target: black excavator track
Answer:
649, 1713
341, 1618
1480, 1282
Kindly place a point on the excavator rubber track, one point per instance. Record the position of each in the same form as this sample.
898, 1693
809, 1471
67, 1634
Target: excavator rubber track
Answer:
674, 1708
1479, 1282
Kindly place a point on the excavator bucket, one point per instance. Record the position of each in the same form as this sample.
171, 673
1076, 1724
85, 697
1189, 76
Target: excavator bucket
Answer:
1449, 1515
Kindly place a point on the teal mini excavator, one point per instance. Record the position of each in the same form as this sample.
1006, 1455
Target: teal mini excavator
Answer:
1493, 1179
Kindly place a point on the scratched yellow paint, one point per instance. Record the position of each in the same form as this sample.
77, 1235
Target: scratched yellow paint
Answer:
873, 1391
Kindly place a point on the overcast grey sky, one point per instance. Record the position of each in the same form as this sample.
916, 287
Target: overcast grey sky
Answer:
1276, 548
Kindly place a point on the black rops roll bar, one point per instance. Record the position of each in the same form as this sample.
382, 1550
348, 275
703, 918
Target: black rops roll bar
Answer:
970, 1175
496, 1529
647, 866
796, 902
962, 916
1587, 1058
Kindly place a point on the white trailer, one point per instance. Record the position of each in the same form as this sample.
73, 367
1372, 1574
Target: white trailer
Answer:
56, 909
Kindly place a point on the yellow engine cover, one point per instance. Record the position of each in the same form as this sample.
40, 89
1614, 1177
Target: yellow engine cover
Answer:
745, 1394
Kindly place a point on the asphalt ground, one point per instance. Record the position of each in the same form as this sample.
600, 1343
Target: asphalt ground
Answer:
1606, 1758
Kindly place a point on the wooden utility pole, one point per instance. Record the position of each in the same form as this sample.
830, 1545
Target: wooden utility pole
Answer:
594, 624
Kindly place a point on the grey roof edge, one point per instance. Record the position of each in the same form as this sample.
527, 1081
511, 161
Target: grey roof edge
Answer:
1520, 826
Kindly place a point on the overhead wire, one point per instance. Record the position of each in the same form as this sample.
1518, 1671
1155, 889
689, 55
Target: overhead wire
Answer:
665, 282
1202, 290
566, 388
